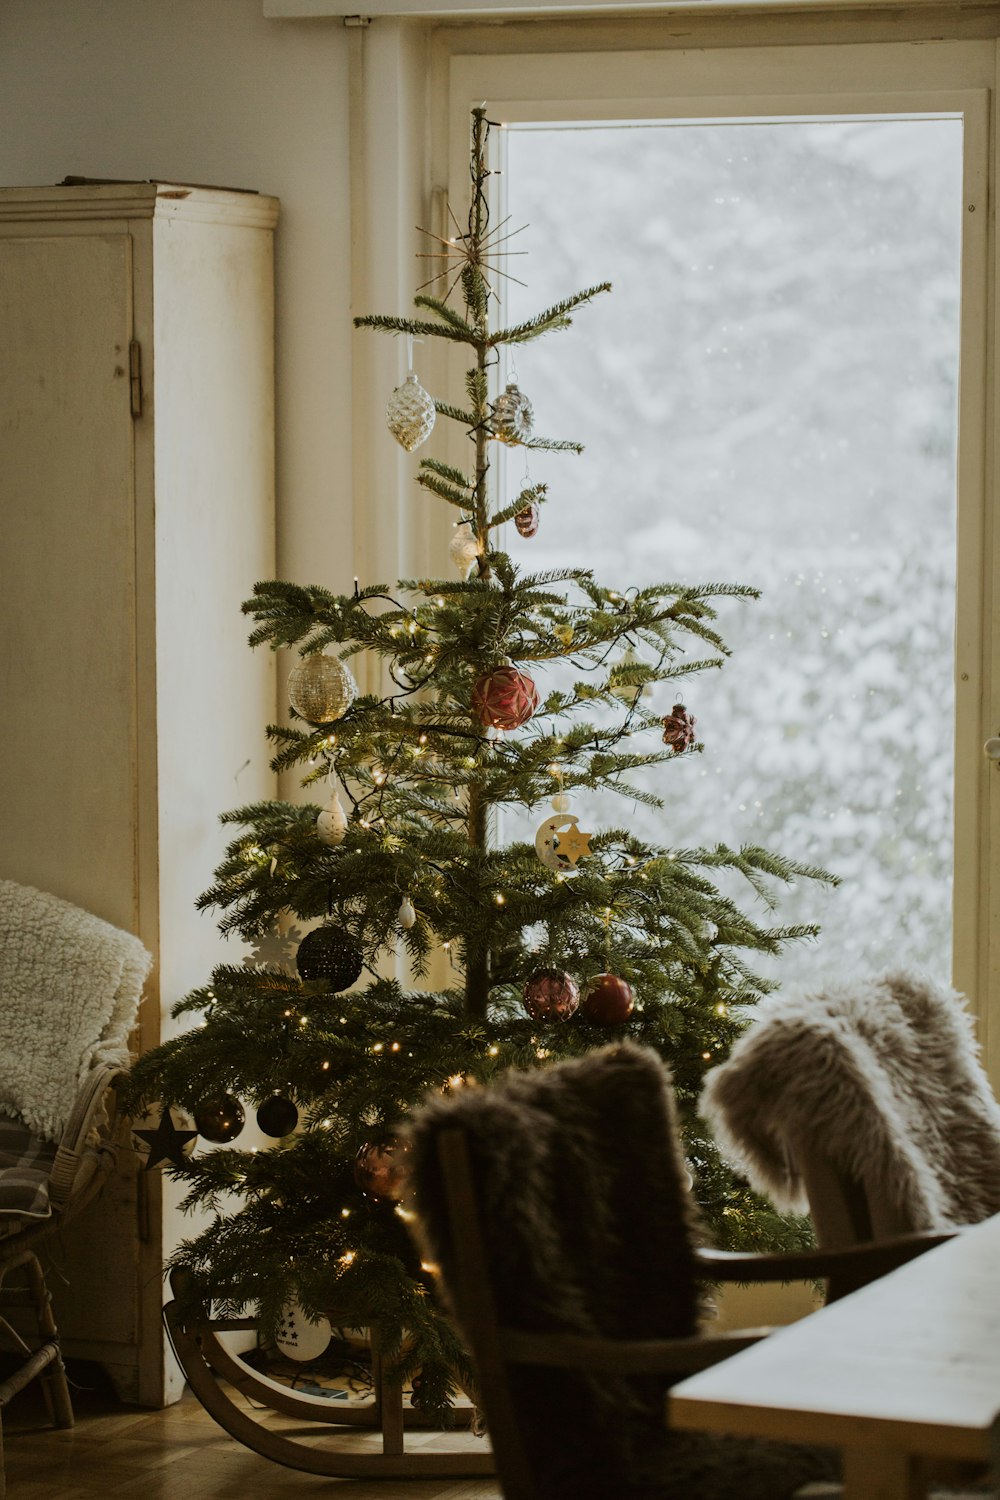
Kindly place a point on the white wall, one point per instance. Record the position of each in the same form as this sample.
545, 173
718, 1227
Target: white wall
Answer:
208, 91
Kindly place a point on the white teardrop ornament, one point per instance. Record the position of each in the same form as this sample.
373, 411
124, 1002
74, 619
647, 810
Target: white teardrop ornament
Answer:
406, 916
463, 549
331, 824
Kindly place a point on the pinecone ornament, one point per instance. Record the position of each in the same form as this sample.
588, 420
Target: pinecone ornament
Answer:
410, 414
678, 729
527, 520
512, 416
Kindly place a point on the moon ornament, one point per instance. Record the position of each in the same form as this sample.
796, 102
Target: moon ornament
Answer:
560, 843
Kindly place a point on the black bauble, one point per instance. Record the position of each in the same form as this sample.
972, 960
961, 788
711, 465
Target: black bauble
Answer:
330, 952
219, 1119
277, 1116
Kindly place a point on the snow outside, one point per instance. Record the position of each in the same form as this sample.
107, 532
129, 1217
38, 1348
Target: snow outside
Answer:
769, 396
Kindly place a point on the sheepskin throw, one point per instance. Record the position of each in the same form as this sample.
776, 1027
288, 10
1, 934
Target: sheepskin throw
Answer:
69, 993
882, 1080
589, 1227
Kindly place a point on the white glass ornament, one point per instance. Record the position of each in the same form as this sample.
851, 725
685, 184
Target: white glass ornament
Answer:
320, 688
406, 916
410, 413
513, 417
298, 1338
331, 824
463, 549
560, 802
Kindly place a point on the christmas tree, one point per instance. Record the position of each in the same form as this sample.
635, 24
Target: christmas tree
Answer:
557, 946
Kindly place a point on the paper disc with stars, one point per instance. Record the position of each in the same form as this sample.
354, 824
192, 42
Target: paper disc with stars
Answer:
560, 843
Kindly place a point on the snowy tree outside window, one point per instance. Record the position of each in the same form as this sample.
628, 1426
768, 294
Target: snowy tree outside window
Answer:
769, 397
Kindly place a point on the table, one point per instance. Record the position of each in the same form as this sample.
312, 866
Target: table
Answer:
907, 1368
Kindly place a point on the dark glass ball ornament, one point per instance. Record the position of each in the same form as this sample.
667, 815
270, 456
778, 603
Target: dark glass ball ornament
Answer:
277, 1116
607, 1000
331, 953
551, 995
220, 1119
378, 1168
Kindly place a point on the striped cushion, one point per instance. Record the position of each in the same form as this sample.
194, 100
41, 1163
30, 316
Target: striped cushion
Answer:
25, 1164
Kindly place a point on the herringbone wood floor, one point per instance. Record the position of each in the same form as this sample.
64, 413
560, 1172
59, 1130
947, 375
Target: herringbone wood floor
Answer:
180, 1454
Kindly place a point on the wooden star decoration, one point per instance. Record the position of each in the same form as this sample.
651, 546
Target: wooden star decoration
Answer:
166, 1142
574, 845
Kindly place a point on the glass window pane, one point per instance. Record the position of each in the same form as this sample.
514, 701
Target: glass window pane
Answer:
769, 397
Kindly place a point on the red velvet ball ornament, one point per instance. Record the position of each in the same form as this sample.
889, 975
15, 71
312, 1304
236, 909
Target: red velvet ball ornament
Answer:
504, 699
551, 995
607, 1000
527, 520
378, 1168
678, 728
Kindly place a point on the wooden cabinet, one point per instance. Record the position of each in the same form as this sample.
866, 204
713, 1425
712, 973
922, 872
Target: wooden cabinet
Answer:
136, 513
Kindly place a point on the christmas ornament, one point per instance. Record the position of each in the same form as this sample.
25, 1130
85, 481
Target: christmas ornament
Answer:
379, 1169
463, 549
331, 824
512, 415
505, 698
560, 843
219, 1119
678, 728
330, 952
277, 1116
167, 1142
298, 1337
607, 1000
560, 802
563, 632
320, 688
406, 916
630, 692
551, 995
527, 520
410, 414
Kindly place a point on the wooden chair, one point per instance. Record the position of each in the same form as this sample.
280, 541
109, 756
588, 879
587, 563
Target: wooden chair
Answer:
42, 1186
449, 1194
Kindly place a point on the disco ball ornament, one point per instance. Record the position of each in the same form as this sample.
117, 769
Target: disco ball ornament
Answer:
219, 1119
463, 549
505, 698
331, 824
607, 1000
410, 414
320, 688
527, 520
513, 417
277, 1116
678, 728
379, 1169
551, 995
331, 953
298, 1337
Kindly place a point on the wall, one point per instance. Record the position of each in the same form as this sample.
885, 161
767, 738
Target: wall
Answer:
208, 91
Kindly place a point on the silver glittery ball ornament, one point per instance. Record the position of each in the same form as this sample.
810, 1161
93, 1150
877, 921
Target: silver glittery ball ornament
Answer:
410, 413
321, 688
512, 415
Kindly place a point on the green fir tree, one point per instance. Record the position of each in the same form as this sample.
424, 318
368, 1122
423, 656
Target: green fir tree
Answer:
424, 775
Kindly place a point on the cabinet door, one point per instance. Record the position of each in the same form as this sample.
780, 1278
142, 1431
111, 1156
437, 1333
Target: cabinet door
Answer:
67, 566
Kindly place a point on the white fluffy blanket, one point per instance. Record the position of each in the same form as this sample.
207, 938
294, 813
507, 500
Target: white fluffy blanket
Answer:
69, 994
882, 1079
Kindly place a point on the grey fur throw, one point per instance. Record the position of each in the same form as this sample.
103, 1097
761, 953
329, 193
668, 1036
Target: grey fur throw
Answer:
589, 1226
880, 1078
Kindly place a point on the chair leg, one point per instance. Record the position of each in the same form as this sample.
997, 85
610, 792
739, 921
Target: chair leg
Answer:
54, 1379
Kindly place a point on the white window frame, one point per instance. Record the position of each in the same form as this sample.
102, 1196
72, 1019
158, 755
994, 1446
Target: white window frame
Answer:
954, 78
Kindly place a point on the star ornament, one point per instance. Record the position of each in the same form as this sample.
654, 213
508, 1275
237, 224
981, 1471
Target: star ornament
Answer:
560, 843
166, 1142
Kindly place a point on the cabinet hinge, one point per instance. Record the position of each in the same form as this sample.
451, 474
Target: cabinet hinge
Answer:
135, 377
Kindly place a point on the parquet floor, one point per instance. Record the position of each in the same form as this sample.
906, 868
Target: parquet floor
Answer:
180, 1454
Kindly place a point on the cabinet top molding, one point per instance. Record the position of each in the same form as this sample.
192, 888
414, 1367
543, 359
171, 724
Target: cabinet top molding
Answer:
139, 200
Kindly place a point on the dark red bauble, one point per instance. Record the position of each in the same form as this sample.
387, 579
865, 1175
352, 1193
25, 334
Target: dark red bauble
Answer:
551, 995
607, 1000
220, 1119
678, 728
527, 520
278, 1116
379, 1169
504, 699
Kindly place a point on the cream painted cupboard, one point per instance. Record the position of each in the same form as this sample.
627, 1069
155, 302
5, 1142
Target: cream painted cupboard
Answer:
136, 512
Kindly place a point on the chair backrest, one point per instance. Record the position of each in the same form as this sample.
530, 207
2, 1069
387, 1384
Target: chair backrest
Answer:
556, 1204
866, 1104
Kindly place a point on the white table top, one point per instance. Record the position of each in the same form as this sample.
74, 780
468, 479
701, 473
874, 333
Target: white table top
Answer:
911, 1361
